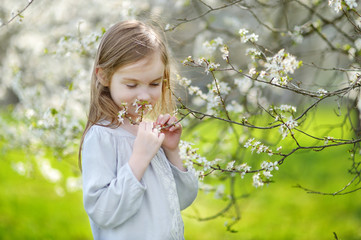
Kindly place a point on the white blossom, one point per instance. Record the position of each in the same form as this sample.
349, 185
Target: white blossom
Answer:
48, 120
230, 165
354, 77
252, 71
211, 67
253, 37
219, 191
257, 181
50, 173
288, 126
235, 107
351, 3
206, 188
223, 87
287, 108
254, 146
194, 90
244, 168
189, 59
142, 106
29, 113
225, 52
19, 167
267, 174
351, 53
200, 61
243, 31
185, 82
249, 143
245, 37
280, 65
327, 139
254, 53
168, 27
296, 35
218, 41
243, 84
213, 44
321, 92
269, 166
73, 184
121, 115
335, 4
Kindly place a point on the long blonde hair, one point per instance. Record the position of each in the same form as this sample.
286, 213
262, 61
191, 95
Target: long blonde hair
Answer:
124, 43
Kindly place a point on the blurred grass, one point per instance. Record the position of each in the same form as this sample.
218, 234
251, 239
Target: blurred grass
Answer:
279, 210
31, 209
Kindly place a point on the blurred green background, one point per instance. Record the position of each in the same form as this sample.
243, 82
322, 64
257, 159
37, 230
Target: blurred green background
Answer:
45, 63
31, 208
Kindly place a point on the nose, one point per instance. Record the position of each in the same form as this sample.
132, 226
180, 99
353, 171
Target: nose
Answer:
143, 95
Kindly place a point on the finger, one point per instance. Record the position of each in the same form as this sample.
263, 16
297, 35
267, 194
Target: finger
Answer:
175, 127
164, 119
156, 125
161, 137
141, 126
159, 119
156, 131
171, 122
148, 126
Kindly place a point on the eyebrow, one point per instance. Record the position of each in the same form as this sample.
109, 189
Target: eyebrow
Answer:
137, 80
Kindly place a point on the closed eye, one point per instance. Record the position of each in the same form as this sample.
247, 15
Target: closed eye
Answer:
131, 85
155, 84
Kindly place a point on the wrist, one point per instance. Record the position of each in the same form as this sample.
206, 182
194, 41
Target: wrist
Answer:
138, 164
173, 156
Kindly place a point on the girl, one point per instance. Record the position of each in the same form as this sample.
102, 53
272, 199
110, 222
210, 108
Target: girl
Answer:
134, 182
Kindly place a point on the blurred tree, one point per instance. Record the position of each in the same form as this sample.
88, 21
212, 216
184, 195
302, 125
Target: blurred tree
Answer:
258, 69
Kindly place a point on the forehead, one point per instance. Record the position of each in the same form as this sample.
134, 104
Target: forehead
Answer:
148, 68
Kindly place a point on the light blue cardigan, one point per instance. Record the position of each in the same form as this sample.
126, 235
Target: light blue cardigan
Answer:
118, 205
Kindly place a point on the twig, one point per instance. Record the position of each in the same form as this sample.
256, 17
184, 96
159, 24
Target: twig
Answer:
185, 20
18, 14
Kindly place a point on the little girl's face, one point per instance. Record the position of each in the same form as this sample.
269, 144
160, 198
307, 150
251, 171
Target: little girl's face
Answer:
141, 80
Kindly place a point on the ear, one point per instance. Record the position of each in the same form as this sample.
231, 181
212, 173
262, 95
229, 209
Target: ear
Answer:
101, 77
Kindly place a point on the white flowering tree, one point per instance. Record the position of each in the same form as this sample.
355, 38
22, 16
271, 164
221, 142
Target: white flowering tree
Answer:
258, 73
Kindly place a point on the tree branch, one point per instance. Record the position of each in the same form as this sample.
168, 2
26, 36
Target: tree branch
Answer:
18, 14
211, 9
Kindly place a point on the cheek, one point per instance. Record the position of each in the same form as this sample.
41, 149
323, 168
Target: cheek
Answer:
118, 94
157, 93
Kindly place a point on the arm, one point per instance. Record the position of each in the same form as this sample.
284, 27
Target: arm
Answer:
187, 186
146, 145
171, 140
111, 195
186, 181
174, 157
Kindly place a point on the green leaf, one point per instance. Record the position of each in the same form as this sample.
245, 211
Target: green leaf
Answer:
53, 111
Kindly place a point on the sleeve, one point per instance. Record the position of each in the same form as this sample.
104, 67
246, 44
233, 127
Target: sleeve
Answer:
187, 186
110, 196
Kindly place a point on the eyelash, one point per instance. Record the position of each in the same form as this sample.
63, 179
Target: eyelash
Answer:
153, 85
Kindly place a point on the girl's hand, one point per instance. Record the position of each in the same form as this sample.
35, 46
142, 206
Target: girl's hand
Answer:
172, 133
146, 145
147, 142
172, 137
